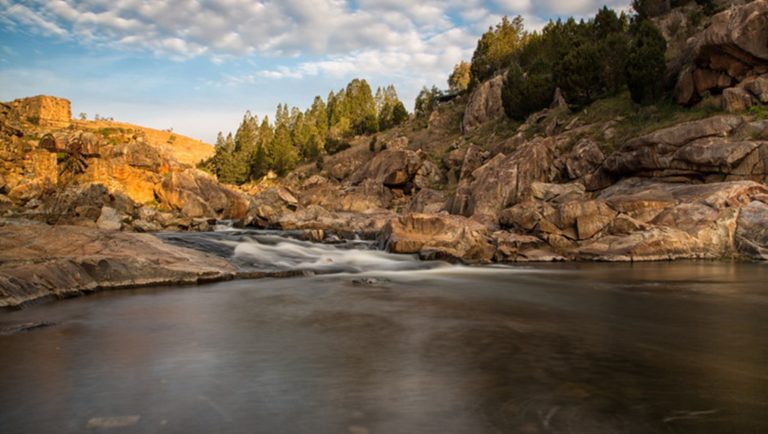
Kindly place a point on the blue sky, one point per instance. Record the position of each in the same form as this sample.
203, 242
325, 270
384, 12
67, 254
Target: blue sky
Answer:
197, 65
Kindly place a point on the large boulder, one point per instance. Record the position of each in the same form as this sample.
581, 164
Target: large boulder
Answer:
270, 206
438, 236
505, 179
395, 168
484, 104
197, 194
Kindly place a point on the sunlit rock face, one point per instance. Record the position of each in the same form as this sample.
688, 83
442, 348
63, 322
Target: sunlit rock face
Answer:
45, 111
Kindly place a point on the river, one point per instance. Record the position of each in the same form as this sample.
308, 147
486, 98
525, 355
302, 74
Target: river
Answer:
378, 343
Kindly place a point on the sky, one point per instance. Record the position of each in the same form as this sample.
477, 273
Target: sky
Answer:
197, 65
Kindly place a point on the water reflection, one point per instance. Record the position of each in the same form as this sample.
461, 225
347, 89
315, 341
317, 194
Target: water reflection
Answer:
557, 348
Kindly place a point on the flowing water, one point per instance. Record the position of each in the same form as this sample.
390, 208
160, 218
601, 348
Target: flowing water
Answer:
380, 343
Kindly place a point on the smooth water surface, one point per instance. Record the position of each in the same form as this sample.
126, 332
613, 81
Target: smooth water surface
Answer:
412, 348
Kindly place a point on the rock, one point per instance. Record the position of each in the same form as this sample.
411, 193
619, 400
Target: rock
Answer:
730, 49
138, 184
109, 220
146, 226
504, 180
368, 196
736, 99
45, 111
752, 231
512, 247
428, 176
740, 32
484, 104
693, 150
427, 201
584, 159
24, 193
395, 168
556, 193
38, 261
705, 79
758, 87
311, 217
268, 207
712, 154
197, 194
439, 236
685, 89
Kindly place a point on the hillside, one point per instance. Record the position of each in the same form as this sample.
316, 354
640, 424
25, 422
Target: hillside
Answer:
184, 149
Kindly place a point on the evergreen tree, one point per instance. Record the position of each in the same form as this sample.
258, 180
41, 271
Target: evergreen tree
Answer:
426, 101
246, 142
282, 152
526, 93
399, 114
261, 160
579, 75
496, 49
646, 66
458, 81
228, 170
319, 116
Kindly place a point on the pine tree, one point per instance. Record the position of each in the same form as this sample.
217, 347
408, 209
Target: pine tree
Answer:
526, 93
580, 75
282, 152
261, 160
458, 81
646, 64
496, 49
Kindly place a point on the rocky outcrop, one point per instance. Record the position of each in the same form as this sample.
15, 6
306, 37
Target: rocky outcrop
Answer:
196, 194
45, 111
640, 220
708, 150
504, 179
484, 104
40, 261
394, 168
730, 50
438, 236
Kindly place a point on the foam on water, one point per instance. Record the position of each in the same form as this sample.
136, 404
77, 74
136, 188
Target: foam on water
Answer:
289, 254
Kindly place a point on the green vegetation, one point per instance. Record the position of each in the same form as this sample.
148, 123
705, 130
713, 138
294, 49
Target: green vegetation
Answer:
496, 49
646, 65
459, 79
426, 101
759, 111
304, 136
586, 60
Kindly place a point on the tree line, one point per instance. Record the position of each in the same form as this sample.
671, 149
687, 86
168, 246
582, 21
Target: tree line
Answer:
298, 136
586, 60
